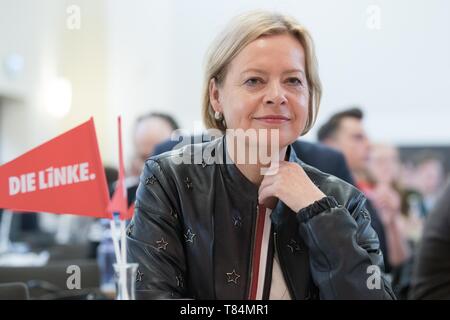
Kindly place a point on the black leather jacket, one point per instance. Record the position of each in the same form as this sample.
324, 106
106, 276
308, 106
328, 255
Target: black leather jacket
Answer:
194, 224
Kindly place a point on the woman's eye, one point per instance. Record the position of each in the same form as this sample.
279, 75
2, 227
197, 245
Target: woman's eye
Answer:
294, 81
253, 82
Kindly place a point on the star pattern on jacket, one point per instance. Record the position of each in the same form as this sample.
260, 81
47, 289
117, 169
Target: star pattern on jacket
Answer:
180, 282
150, 180
232, 277
130, 230
188, 183
139, 275
161, 244
189, 236
293, 245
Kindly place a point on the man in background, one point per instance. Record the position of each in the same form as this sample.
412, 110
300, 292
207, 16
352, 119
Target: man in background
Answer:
430, 180
149, 130
345, 132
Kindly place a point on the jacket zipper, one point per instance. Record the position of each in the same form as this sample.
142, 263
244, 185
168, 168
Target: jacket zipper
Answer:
282, 264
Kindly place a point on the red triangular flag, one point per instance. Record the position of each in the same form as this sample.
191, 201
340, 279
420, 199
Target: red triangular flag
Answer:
130, 211
63, 175
119, 200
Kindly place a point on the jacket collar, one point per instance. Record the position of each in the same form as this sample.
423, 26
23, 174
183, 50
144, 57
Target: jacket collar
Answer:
236, 178
233, 175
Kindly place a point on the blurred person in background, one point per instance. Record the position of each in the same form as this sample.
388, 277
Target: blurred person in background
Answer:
391, 200
431, 276
429, 180
388, 192
345, 132
149, 130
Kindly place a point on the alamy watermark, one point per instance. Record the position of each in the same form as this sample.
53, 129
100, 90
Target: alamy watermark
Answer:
373, 21
74, 279
374, 279
251, 146
73, 20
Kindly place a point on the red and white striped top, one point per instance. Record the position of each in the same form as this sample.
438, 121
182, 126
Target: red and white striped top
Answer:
278, 288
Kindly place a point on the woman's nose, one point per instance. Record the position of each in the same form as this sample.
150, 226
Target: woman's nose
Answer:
274, 95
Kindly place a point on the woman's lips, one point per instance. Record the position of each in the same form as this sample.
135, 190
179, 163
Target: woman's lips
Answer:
273, 119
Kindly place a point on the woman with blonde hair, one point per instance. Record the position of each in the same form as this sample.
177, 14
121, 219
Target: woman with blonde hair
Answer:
241, 217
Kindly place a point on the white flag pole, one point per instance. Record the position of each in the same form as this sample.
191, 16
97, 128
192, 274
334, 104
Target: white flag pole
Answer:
115, 241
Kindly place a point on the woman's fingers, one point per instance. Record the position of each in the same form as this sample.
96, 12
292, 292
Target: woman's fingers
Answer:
290, 184
266, 192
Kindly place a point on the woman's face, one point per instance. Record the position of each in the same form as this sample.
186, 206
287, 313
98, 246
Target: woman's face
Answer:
265, 88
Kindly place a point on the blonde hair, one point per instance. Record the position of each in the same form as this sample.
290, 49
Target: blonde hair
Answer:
241, 31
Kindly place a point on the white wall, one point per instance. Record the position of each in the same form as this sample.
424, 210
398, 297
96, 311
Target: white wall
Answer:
37, 30
27, 28
399, 74
131, 57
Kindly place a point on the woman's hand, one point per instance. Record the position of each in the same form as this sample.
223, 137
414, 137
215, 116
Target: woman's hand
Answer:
288, 182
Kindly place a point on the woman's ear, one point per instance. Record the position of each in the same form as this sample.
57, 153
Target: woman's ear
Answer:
214, 96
